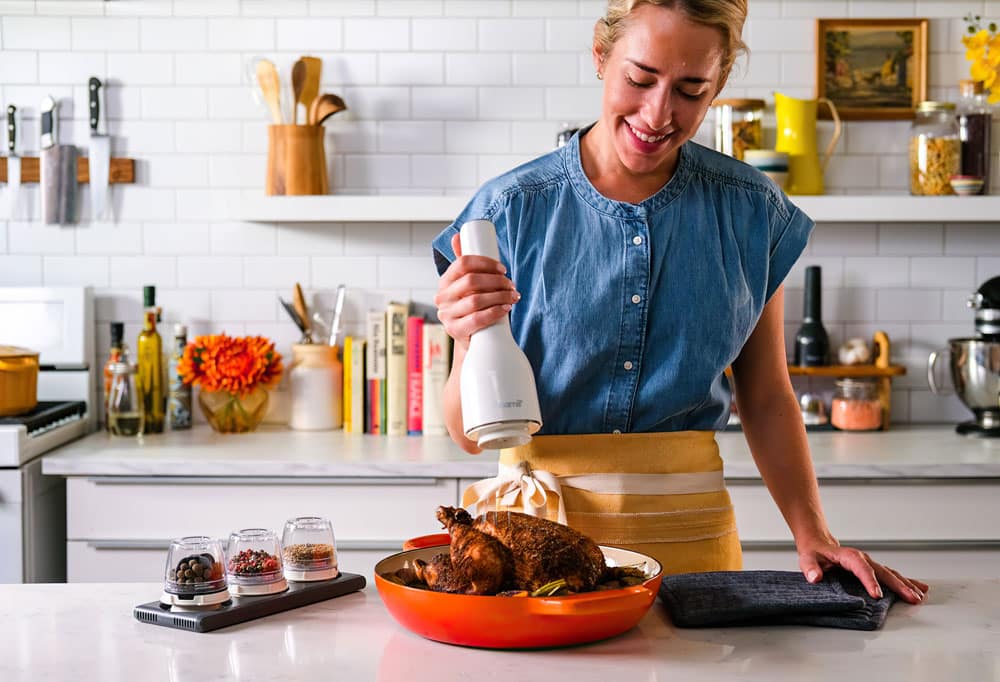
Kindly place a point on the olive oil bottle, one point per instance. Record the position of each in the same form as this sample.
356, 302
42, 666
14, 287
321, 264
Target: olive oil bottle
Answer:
149, 352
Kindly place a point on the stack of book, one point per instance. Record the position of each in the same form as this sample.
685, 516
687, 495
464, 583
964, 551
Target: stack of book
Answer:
394, 376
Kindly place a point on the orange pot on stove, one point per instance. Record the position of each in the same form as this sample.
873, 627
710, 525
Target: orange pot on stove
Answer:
18, 380
515, 622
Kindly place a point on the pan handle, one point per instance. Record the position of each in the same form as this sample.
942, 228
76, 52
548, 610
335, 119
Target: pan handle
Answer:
434, 540
593, 603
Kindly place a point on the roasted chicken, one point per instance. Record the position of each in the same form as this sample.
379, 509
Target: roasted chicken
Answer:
510, 550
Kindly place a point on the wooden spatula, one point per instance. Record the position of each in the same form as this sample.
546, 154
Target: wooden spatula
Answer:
270, 88
325, 106
310, 88
298, 85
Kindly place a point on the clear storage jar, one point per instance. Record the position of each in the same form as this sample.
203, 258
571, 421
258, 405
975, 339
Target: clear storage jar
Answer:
935, 149
254, 565
309, 551
856, 406
195, 575
738, 125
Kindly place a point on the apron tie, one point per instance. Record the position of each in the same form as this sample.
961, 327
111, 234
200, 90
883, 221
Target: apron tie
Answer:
533, 486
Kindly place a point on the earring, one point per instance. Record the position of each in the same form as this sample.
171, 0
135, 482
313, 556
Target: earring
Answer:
600, 76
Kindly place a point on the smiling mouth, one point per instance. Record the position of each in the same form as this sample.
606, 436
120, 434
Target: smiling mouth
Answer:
649, 139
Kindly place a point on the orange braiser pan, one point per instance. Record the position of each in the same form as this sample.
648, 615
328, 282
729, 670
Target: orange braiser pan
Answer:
515, 622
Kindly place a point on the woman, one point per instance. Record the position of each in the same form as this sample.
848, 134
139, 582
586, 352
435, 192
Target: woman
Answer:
646, 265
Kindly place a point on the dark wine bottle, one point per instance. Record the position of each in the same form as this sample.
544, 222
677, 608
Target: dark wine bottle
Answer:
812, 345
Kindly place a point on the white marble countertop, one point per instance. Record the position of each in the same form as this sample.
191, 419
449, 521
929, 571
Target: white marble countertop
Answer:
903, 452
87, 632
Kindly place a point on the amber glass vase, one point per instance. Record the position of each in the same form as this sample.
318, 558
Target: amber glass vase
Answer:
234, 413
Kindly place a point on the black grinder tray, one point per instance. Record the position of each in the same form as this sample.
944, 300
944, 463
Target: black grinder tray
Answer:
242, 609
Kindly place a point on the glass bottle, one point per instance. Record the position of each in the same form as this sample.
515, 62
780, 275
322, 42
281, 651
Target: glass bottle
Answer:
856, 406
738, 125
179, 396
935, 149
114, 355
812, 345
149, 350
975, 121
125, 414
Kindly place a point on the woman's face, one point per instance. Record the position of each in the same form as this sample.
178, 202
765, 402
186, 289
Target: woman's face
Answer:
659, 79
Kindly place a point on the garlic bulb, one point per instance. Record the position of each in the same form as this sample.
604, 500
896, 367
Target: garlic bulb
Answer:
854, 352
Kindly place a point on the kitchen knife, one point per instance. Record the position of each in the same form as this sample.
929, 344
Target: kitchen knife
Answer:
13, 163
58, 169
100, 152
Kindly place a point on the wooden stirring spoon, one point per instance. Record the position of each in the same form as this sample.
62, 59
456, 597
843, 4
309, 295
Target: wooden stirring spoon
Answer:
298, 85
310, 88
325, 106
270, 87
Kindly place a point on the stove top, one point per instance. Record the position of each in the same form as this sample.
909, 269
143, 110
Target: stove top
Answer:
49, 425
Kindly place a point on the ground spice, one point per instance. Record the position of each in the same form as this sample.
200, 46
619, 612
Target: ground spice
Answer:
309, 554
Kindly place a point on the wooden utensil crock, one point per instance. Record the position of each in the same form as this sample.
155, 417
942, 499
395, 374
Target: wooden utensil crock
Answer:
296, 160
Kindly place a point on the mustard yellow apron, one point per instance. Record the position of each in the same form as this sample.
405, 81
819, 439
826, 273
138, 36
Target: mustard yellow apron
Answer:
661, 494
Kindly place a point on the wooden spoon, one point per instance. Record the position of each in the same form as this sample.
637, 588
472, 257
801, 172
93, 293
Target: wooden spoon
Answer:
310, 89
270, 87
323, 107
299, 300
298, 85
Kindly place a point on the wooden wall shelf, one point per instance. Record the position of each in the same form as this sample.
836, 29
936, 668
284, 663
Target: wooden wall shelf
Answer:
122, 171
851, 371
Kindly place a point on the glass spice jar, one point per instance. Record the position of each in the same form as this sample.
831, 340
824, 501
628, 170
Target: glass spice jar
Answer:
738, 125
856, 406
935, 149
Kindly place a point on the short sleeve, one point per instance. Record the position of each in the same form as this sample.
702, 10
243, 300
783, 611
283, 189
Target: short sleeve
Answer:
444, 255
789, 236
485, 205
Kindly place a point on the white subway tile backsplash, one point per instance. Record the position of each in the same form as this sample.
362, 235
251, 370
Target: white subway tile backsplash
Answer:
75, 271
444, 103
918, 305
309, 34
797, 69
69, 68
443, 35
124, 305
109, 238
36, 33
149, 137
18, 67
876, 272
20, 271
379, 172
411, 137
236, 170
352, 271
410, 68
477, 137
173, 35
490, 166
477, 8
209, 272
241, 34
573, 104
199, 204
373, 239
141, 68
38, 238
183, 305
409, 8
143, 203
943, 273
987, 267
136, 8
182, 239
511, 104
137, 271
793, 35
208, 137
971, 239
507, 35
544, 8
207, 8
467, 68
922, 239
310, 239
569, 35
406, 272
163, 103
844, 239
256, 305
206, 68
538, 68
342, 8
378, 103
382, 35
533, 137
276, 271
928, 408
110, 34
239, 238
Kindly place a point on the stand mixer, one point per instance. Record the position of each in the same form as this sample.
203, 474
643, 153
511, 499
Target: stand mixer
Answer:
499, 399
975, 365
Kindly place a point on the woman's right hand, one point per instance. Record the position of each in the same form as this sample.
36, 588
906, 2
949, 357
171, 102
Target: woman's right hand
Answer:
473, 293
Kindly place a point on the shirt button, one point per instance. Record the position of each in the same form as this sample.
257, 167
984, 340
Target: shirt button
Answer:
628, 364
636, 298
637, 240
617, 432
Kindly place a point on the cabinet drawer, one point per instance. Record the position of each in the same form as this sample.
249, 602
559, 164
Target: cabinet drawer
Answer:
911, 510
156, 507
116, 562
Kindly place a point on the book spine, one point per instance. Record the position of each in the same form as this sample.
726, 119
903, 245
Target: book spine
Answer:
346, 401
358, 385
435, 366
395, 369
414, 376
376, 371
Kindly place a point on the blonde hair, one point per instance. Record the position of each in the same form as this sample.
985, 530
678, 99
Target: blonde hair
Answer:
727, 16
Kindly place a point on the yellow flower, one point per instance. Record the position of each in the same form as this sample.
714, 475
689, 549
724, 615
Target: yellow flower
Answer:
994, 96
977, 41
981, 70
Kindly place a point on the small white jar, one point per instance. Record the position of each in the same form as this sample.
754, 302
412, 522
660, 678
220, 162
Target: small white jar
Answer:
316, 378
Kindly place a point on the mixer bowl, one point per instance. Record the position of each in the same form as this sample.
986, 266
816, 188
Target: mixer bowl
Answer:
975, 372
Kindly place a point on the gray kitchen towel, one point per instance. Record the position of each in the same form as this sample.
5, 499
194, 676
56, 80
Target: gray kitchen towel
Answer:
724, 598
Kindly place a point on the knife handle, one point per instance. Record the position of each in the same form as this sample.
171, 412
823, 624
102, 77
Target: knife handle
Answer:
95, 102
50, 122
11, 129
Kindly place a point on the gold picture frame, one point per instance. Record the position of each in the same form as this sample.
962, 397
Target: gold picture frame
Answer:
872, 69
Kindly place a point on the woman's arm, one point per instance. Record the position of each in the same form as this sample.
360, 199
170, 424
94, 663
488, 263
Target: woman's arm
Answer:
776, 435
453, 404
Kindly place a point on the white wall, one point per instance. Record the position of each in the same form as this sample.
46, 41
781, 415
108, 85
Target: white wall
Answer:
443, 95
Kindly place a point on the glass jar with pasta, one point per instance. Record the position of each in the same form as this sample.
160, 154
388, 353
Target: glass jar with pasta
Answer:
738, 125
935, 148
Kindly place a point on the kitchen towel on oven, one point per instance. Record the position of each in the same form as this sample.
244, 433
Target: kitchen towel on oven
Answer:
725, 598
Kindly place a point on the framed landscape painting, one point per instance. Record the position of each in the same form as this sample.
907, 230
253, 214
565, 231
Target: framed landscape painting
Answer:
872, 68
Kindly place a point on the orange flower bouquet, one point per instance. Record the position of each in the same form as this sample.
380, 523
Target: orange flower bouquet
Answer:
234, 374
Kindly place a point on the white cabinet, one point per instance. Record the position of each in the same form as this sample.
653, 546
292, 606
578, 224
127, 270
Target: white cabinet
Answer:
118, 527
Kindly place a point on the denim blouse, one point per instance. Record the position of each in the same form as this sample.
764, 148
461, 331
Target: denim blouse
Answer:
630, 313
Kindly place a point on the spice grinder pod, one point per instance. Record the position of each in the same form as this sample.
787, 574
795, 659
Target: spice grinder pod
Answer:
195, 575
310, 552
254, 563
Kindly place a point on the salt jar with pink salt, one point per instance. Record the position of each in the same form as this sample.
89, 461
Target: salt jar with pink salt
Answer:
856, 406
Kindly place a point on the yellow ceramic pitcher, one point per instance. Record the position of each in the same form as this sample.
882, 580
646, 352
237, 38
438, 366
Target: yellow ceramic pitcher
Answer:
797, 135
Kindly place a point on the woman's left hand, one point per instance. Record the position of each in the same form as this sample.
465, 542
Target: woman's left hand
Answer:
815, 556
